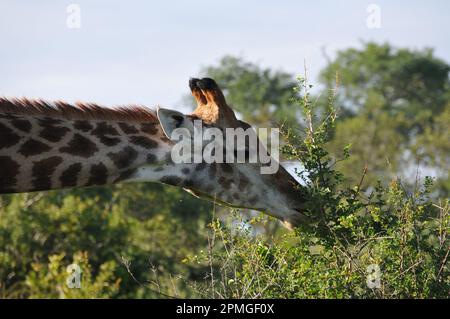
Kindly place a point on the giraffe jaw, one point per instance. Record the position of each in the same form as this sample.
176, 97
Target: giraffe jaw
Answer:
294, 219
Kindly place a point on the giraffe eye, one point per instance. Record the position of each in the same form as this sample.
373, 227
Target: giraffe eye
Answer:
178, 119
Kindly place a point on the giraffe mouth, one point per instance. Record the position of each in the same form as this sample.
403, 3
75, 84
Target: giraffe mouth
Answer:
296, 218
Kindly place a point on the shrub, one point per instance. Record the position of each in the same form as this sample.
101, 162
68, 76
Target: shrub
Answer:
381, 242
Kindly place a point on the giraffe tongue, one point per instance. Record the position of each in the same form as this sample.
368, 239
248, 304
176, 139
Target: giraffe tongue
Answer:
205, 196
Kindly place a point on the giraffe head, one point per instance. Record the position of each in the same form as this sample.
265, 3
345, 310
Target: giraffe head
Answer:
235, 184
56, 145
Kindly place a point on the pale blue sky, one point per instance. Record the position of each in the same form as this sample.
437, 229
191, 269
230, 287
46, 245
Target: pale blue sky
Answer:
144, 52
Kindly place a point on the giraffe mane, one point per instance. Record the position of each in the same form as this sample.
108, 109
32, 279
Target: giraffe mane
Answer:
79, 110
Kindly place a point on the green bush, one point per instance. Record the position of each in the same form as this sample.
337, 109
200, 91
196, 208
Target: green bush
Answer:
151, 241
49, 280
379, 242
125, 247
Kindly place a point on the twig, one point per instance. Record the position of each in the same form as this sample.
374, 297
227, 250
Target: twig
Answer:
127, 265
443, 264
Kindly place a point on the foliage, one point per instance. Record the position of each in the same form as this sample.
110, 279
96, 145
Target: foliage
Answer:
49, 280
359, 162
433, 147
413, 82
383, 234
393, 103
112, 231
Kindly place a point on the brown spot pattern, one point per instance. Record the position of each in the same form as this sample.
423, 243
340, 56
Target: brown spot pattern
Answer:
8, 172
70, 175
212, 170
109, 141
124, 158
105, 133
124, 175
227, 168
23, 125
42, 171
149, 128
225, 182
33, 147
128, 128
83, 126
243, 182
53, 133
189, 183
80, 146
104, 128
98, 174
7, 137
200, 166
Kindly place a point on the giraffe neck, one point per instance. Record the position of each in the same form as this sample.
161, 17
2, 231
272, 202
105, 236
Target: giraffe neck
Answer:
42, 150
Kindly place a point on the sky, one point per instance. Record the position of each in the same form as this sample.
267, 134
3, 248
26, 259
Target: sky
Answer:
144, 52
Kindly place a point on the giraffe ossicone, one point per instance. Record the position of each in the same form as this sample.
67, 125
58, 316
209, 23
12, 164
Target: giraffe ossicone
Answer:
56, 145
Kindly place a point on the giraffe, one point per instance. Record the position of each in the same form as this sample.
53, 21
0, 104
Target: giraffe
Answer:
55, 145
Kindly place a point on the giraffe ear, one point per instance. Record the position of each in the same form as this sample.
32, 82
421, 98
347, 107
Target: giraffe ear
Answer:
171, 120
